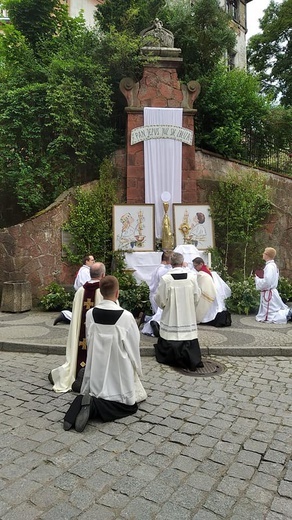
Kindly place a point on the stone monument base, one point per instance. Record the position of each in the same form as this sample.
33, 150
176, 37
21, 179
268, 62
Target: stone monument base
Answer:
16, 297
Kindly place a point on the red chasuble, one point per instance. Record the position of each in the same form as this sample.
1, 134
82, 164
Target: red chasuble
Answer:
88, 302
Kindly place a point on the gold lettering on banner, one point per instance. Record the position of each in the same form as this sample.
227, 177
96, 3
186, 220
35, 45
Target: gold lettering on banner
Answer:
144, 133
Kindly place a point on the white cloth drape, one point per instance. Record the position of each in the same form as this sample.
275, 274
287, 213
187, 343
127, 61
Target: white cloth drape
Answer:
163, 163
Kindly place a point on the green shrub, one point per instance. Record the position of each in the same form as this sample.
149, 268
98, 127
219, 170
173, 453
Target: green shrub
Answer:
285, 289
57, 298
133, 296
244, 297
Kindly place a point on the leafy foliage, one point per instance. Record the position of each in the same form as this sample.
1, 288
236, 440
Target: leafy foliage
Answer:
90, 219
239, 206
244, 297
270, 52
230, 103
57, 298
55, 108
131, 15
202, 30
133, 296
285, 289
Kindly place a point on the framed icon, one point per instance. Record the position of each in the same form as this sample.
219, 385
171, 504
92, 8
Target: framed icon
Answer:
193, 225
133, 227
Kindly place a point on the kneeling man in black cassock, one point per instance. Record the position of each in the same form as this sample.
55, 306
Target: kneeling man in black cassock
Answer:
177, 294
111, 386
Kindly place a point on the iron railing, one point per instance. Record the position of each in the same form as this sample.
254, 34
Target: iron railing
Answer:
263, 152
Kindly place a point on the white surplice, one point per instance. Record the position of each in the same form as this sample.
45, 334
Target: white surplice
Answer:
113, 364
177, 299
272, 309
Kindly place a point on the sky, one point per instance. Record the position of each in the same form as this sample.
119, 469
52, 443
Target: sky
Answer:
255, 10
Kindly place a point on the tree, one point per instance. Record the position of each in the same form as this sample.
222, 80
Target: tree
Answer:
36, 21
229, 105
270, 52
55, 109
90, 219
128, 15
239, 206
202, 30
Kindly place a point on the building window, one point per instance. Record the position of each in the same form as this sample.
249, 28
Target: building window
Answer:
231, 60
233, 9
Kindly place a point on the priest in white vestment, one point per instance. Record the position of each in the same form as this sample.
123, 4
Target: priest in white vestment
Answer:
211, 308
111, 386
272, 309
177, 294
64, 376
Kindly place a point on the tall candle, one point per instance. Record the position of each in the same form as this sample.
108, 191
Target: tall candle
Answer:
209, 260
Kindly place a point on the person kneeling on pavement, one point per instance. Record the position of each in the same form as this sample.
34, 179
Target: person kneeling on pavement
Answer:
177, 295
111, 387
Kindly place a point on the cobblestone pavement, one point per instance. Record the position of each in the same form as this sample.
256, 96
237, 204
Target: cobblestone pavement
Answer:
198, 449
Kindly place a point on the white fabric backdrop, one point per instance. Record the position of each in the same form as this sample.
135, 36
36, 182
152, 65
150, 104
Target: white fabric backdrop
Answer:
163, 163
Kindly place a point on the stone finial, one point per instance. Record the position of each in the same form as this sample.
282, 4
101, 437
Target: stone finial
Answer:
156, 36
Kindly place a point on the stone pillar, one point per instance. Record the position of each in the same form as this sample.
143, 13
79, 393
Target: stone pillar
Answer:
16, 297
159, 87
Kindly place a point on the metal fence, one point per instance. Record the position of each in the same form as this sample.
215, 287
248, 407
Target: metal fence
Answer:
264, 153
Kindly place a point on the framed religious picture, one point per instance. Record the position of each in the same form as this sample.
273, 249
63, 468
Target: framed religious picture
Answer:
193, 225
133, 227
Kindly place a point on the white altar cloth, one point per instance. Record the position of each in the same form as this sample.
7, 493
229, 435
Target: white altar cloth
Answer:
145, 263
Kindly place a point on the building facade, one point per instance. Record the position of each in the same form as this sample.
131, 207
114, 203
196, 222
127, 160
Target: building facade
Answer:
235, 8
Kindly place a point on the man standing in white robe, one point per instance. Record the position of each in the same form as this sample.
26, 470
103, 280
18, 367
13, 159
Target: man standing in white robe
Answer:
111, 386
272, 309
177, 294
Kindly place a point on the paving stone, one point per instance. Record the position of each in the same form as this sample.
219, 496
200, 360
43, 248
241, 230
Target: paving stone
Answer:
187, 497
173, 512
265, 481
250, 458
140, 509
219, 503
285, 489
157, 491
282, 505
275, 456
258, 494
271, 468
63, 510
24, 511
256, 446
248, 510
98, 512
239, 470
198, 480
204, 514
232, 486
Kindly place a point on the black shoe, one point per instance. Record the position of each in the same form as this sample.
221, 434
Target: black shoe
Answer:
67, 426
60, 318
155, 328
83, 416
50, 378
76, 386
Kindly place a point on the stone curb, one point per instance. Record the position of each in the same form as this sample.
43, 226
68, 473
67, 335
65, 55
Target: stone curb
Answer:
243, 351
